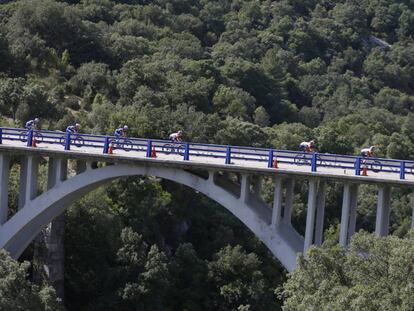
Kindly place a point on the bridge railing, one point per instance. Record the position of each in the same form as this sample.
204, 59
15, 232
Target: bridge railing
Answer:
217, 153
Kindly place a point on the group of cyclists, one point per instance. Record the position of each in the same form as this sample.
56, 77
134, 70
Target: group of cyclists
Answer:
118, 133
306, 146
310, 146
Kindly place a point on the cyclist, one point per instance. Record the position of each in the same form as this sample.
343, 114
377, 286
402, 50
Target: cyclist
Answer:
176, 137
121, 132
32, 124
367, 152
308, 146
73, 129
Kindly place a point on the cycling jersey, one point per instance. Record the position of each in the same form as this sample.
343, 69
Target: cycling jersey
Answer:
175, 137
71, 129
30, 124
119, 132
306, 146
366, 152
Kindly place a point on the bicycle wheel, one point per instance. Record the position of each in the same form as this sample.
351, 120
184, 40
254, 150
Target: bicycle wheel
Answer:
23, 136
168, 148
78, 141
300, 159
376, 166
180, 149
127, 145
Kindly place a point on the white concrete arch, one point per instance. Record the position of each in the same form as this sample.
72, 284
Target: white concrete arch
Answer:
16, 234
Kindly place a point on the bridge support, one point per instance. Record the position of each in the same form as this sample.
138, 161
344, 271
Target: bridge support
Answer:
245, 188
383, 211
290, 187
28, 179
320, 213
310, 216
4, 187
348, 217
277, 203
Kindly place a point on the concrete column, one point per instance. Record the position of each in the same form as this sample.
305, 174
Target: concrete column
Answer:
383, 211
287, 213
310, 217
277, 202
346, 201
211, 176
4, 187
28, 179
353, 210
257, 185
53, 236
245, 188
320, 212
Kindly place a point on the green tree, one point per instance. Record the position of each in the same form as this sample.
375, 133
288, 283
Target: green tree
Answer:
17, 293
237, 279
374, 274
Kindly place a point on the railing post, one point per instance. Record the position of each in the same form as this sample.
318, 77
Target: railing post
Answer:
67, 141
29, 138
358, 166
228, 155
106, 145
1, 135
270, 160
149, 147
187, 152
313, 162
402, 170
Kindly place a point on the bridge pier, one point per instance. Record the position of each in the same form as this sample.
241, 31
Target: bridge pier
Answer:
290, 187
320, 213
29, 166
383, 211
277, 203
348, 217
244, 188
310, 215
4, 187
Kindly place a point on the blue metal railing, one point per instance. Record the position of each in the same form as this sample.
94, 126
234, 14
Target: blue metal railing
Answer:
188, 150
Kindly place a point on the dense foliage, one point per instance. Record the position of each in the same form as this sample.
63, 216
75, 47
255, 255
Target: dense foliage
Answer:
375, 274
245, 72
17, 293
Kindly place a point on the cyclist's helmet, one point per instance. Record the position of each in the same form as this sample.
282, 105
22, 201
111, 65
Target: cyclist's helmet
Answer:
312, 142
125, 127
77, 125
180, 133
36, 120
372, 148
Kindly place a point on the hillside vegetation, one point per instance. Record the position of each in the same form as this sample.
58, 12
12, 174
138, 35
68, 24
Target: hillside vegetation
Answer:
240, 72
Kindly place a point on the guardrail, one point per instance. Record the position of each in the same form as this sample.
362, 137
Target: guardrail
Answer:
228, 153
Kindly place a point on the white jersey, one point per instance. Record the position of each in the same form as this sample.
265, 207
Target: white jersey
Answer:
174, 136
305, 144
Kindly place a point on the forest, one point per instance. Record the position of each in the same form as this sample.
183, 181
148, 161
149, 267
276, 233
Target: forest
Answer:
241, 72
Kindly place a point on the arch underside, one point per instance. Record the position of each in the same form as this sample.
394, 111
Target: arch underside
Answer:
17, 233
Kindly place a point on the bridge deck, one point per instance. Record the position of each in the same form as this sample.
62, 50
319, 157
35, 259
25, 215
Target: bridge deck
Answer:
200, 162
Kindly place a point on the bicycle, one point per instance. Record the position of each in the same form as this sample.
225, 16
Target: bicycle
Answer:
23, 136
173, 148
75, 139
373, 165
122, 143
